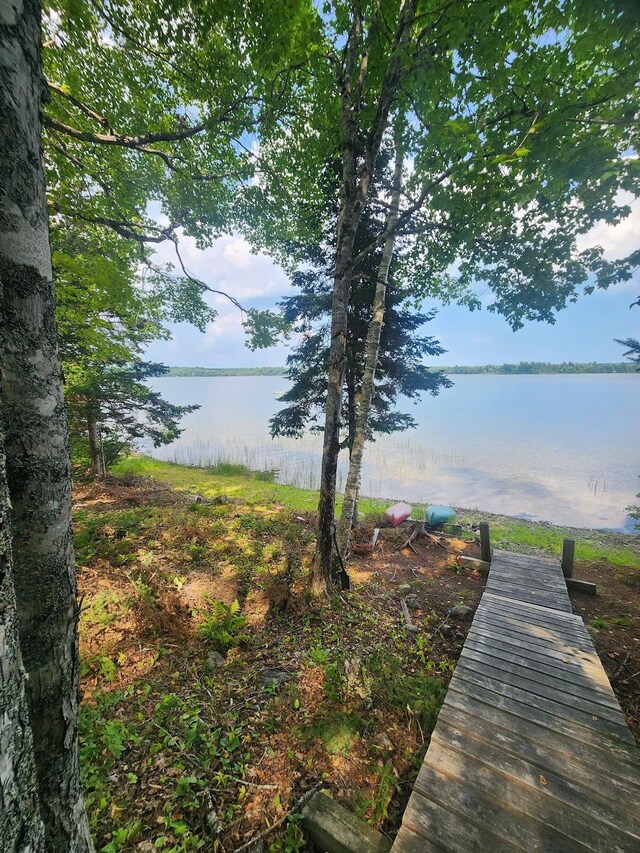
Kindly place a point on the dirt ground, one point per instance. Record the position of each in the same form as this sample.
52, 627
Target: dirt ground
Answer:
205, 722
613, 619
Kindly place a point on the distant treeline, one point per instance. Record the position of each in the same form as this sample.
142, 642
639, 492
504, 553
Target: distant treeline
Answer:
523, 367
544, 367
226, 371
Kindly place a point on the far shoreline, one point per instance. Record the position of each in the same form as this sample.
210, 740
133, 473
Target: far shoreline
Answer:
521, 369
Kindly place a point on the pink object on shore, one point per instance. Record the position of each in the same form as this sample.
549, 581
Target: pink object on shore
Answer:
398, 513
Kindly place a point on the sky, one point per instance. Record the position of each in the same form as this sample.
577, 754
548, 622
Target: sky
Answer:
584, 331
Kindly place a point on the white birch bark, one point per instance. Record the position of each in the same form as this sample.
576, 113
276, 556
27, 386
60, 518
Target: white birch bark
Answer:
21, 829
363, 404
356, 182
35, 430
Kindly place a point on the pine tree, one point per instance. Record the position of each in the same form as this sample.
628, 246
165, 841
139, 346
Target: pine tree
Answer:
111, 407
401, 370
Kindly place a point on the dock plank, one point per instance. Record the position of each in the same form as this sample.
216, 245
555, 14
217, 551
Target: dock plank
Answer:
564, 671
577, 827
531, 750
525, 770
548, 677
555, 704
586, 731
563, 755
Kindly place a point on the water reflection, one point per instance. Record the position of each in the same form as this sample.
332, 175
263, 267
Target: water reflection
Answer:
557, 448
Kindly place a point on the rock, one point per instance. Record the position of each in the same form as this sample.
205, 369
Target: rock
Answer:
412, 628
196, 499
384, 741
215, 659
404, 588
275, 677
412, 602
461, 612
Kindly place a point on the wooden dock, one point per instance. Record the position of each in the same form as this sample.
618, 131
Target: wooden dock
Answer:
531, 750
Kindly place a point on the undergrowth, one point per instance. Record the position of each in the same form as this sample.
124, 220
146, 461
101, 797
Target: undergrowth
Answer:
214, 694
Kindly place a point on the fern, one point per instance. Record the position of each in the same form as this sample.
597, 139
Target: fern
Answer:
223, 627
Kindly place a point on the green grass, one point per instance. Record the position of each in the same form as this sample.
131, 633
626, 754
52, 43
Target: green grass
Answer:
236, 481
593, 548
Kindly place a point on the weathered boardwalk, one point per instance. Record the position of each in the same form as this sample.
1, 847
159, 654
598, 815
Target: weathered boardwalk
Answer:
531, 751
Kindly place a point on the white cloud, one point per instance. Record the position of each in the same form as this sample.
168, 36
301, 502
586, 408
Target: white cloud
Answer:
229, 265
620, 240
238, 253
227, 326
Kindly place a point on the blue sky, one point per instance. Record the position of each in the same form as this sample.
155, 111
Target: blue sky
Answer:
584, 331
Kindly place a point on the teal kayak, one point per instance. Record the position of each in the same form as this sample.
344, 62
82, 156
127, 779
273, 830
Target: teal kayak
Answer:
439, 514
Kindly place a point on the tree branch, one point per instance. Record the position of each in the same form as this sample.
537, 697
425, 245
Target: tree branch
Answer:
204, 286
123, 228
404, 216
392, 78
113, 138
59, 90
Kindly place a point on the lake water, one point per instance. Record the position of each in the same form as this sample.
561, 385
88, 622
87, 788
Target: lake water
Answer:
561, 448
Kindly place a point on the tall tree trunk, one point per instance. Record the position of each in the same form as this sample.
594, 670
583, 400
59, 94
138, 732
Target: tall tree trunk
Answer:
371, 357
95, 450
21, 828
356, 181
38, 467
323, 580
351, 200
351, 408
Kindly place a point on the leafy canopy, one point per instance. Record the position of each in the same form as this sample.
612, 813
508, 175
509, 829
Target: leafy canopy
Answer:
519, 122
152, 113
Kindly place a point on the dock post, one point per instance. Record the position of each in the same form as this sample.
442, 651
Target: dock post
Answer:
485, 542
568, 550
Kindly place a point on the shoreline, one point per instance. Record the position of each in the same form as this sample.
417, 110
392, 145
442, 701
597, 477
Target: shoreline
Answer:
586, 369
539, 536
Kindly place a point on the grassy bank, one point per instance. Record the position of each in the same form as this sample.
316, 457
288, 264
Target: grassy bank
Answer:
510, 533
236, 481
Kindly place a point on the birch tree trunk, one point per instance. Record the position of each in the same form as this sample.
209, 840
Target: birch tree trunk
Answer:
356, 182
348, 221
363, 406
35, 429
21, 828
